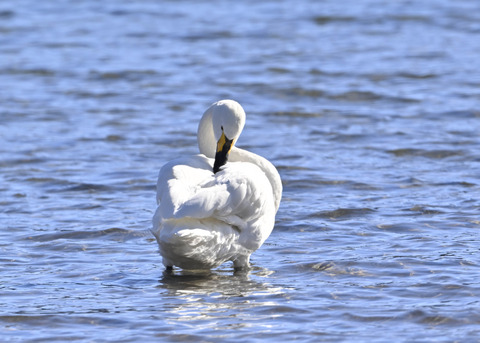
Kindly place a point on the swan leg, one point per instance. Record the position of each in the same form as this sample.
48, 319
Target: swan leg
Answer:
241, 262
168, 264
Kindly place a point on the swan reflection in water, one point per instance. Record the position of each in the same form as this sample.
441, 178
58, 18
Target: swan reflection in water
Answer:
205, 303
221, 282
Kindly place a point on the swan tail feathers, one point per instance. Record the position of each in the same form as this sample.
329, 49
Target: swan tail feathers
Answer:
192, 244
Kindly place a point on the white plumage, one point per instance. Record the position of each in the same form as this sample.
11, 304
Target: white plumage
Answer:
204, 218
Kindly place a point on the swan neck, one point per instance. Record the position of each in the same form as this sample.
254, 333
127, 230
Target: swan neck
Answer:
205, 136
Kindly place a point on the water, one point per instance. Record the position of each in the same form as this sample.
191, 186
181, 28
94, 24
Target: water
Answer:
369, 109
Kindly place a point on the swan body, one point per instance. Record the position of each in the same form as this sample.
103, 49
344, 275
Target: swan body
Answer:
209, 210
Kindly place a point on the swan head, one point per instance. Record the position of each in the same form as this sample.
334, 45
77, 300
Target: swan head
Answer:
224, 120
228, 119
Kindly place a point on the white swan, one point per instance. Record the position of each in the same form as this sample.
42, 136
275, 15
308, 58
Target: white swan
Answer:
210, 211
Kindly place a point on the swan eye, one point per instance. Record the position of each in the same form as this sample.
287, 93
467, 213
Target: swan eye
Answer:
221, 127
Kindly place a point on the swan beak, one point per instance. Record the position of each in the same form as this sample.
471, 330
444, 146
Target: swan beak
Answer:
224, 145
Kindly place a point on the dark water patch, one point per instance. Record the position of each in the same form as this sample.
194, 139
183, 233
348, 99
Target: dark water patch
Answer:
182, 337
56, 185
114, 234
398, 227
208, 35
410, 18
114, 138
433, 154
474, 114
408, 76
411, 182
434, 319
375, 318
61, 185
91, 94
417, 76
314, 183
335, 269
290, 167
357, 96
342, 213
65, 45
21, 161
117, 123
6, 14
369, 96
287, 225
298, 114
58, 320
130, 75
174, 143
342, 137
120, 13
311, 93
83, 207
88, 187
140, 185
283, 310
279, 70
298, 185
30, 72
176, 107
432, 55
325, 19
454, 184
15, 116
423, 210
46, 180
321, 72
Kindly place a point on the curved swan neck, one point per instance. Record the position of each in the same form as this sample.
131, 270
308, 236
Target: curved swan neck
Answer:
205, 135
241, 155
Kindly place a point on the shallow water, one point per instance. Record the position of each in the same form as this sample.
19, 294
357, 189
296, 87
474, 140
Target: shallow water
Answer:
370, 111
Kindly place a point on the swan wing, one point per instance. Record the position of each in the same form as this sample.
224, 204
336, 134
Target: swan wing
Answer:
179, 180
240, 195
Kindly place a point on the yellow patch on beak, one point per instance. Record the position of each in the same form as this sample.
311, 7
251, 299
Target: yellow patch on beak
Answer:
221, 143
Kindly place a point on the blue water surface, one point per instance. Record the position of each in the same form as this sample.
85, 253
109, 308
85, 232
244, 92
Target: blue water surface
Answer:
369, 109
